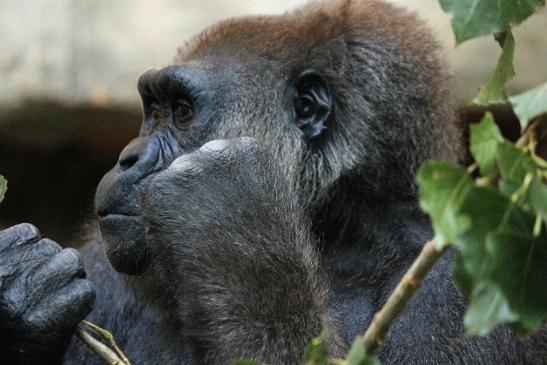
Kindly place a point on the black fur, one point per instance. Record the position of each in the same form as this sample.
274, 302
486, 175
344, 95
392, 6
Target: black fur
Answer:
269, 199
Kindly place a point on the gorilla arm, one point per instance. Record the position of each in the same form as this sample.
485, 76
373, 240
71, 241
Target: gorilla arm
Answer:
245, 274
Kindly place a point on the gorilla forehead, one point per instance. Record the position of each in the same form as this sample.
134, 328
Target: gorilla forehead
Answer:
379, 62
319, 32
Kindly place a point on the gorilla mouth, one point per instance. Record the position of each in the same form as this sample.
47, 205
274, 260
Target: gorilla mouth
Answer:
124, 239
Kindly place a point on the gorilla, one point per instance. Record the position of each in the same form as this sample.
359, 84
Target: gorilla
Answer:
268, 199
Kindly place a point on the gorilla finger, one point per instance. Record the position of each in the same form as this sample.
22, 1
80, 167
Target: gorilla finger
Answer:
18, 235
21, 256
186, 163
45, 247
66, 308
59, 269
215, 146
40, 250
246, 143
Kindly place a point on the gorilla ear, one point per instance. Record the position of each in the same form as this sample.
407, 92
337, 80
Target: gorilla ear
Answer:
311, 103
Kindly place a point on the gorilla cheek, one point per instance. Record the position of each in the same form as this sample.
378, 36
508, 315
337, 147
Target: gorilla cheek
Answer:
124, 239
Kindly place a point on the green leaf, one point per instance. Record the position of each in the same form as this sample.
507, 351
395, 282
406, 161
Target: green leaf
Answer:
488, 308
462, 277
490, 213
484, 139
3, 187
487, 211
484, 208
316, 353
443, 187
357, 355
473, 18
537, 196
494, 91
519, 268
530, 104
514, 164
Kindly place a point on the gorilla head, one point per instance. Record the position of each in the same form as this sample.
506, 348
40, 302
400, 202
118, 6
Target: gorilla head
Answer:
346, 102
269, 199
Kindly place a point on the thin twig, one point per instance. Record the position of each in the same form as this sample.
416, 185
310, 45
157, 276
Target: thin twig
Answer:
103, 351
401, 295
529, 133
108, 336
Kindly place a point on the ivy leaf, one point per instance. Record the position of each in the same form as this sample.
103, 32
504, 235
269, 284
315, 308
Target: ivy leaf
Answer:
514, 164
494, 91
443, 188
519, 269
488, 308
3, 187
488, 211
537, 196
477, 269
484, 208
316, 353
474, 18
530, 104
484, 138
358, 356
462, 277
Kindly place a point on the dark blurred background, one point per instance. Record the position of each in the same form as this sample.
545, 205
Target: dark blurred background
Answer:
68, 99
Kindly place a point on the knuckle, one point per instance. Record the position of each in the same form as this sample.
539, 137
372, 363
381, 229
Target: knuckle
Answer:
228, 149
215, 146
71, 257
27, 230
247, 143
47, 247
247, 140
59, 267
19, 234
248, 147
87, 290
184, 163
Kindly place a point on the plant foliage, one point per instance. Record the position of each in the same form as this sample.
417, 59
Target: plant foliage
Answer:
3, 187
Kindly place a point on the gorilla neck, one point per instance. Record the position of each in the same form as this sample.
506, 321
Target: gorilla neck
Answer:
351, 217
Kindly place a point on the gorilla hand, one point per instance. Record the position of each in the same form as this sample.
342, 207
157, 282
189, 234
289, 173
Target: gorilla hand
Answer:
227, 225
43, 296
223, 186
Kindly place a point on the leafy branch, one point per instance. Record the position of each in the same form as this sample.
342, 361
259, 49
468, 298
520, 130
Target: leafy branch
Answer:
494, 212
3, 187
497, 218
112, 355
398, 300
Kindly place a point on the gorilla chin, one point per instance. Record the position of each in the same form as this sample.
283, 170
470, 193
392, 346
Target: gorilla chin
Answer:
124, 239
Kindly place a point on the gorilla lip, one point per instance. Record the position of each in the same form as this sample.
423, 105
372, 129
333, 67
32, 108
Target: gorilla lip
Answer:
124, 239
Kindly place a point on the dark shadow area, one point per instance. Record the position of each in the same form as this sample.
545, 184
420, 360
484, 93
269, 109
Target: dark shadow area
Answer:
54, 155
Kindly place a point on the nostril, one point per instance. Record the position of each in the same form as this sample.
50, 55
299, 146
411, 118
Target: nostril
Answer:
139, 152
126, 162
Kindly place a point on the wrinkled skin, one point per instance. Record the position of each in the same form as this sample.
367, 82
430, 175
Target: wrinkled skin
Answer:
268, 199
44, 294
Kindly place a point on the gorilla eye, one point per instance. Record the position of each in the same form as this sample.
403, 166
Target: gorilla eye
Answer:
183, 114
312, 103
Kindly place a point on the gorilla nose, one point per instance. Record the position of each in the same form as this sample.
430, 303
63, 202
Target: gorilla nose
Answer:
117, 191
134, 152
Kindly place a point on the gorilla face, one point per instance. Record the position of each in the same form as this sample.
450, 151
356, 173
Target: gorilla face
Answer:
188, 105
328, 100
